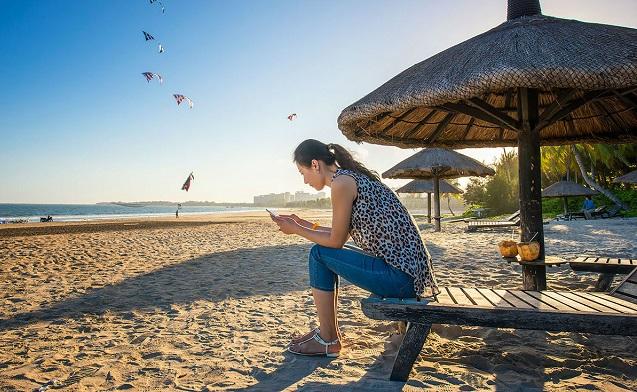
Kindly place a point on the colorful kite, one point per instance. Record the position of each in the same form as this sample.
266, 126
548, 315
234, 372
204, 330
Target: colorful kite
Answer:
180, 98
186, 185
150, 76
147, 36
292, 116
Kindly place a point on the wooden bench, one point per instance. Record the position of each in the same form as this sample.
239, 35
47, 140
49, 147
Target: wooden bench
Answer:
558, 311
606, 266
475, 225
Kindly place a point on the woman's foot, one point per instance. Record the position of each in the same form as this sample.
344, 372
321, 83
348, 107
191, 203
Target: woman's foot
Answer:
317, 346
303, 338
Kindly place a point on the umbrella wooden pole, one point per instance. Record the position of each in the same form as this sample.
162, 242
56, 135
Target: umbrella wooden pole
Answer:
428, 207
534, 277
565, 206
437, 203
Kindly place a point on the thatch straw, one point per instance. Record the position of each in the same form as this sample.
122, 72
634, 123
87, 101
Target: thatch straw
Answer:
467, 95
566, 188
427, 186
629, 178
439, 162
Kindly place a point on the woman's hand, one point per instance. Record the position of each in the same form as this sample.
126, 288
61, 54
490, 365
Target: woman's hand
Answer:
286, 224
299, 221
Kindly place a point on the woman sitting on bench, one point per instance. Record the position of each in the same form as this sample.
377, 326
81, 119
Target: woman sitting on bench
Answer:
392, 262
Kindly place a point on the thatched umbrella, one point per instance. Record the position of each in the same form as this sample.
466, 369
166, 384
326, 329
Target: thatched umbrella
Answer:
532, 80
437, 163
629, 178
564, 189
427, 186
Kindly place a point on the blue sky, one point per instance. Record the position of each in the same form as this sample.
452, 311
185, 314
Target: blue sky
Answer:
79, 123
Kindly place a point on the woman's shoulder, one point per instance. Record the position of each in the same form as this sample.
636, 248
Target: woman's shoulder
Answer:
343, 178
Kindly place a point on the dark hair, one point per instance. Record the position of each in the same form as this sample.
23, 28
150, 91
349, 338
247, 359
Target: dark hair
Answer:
330, 153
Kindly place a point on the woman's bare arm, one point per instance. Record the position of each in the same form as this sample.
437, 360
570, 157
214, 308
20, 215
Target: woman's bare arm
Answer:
343, 195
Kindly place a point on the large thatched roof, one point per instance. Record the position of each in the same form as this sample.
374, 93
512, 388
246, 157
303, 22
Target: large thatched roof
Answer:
629, 178
427, 186
440, 162
467, 95
566, 188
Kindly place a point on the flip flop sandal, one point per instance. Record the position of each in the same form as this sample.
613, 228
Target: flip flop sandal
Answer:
323, 343
301, 340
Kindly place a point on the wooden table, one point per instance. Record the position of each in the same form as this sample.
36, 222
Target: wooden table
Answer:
549, 261
606, 266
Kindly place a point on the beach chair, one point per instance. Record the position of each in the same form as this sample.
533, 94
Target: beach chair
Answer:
556, 311
475, 225
615, 211
608, 267
596, 213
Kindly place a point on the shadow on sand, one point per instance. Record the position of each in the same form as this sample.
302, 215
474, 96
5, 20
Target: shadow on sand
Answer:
199, 279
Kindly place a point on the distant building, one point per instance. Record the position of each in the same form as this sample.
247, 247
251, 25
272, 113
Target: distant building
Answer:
304, 196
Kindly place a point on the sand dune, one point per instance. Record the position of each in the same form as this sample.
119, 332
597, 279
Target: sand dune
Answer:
160, 305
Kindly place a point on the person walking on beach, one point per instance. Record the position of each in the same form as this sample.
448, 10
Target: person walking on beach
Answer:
390, 259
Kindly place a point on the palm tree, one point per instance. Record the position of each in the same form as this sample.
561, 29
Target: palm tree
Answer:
591, 182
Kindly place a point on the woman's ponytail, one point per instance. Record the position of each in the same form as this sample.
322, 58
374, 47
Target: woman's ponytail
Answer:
330, 153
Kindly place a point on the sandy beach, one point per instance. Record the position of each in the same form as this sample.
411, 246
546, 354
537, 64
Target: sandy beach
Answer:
209, 304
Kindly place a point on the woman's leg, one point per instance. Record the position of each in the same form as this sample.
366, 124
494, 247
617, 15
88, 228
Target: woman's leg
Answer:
363, 270
325, 293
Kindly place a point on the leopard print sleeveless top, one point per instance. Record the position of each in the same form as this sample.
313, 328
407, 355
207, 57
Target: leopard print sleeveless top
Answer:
381, 225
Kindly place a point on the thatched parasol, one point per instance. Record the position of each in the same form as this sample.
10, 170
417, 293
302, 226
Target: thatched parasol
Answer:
532, 80
629, 178
437, 163
427, 186
564, 189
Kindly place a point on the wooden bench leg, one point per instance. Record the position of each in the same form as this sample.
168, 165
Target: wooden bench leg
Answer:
604, 282
409, 349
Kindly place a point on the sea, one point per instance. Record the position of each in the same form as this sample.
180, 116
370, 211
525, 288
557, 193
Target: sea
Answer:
85, 212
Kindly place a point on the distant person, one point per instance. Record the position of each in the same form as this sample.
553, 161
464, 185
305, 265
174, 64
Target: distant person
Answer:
588, 207
393, 260
177, 213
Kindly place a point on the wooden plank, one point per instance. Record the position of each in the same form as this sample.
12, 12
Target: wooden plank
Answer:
628, 288
459, 296
591, 304
476, 297
579, 259
409, 350
550, 301
512, 299
620, 301
536, 303
444, 297
495, 299
610, 304
570, 302
500, 317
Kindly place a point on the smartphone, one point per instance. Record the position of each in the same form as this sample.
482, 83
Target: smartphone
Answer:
273, 213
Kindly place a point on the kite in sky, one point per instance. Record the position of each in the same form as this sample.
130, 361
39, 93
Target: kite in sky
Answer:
161, 48
186, 185
180, 98
147, 36
150, 76
160, 4
292, 116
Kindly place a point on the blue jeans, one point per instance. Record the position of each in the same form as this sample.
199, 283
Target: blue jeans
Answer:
362, 269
